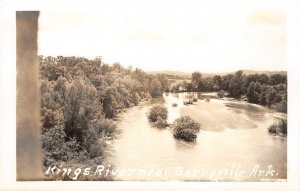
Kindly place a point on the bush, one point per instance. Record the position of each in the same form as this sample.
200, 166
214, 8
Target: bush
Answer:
221, 93
195, 100
282, 106
158, 111
160, 123
278, 128
185, 128
106, 127
57, 149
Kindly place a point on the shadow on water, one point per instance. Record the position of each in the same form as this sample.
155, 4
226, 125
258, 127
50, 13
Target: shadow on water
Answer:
180, 144
158, 100
248, 107
251, 110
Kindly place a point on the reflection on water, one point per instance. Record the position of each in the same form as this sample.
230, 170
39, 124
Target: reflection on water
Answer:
233, 136
253, 111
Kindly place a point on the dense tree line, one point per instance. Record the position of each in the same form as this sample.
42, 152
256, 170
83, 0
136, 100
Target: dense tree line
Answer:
80, 98
267, 90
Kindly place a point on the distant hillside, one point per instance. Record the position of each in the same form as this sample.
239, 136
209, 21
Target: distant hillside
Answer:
189, 75
172, 73
264, 72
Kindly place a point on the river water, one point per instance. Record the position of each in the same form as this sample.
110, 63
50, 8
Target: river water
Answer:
233, 144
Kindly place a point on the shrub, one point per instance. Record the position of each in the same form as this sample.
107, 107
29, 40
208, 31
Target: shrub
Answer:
278, 128
195, 100
282, 106
160, 123
57, 149
158, 111
106, 127
185, 128
221, 93
51, 118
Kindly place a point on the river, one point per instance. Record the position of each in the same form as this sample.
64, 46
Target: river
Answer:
233, 144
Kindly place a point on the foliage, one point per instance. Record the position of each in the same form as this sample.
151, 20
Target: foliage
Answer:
157, 112
235, 85
185, 128
79, 99
197, 80
267, 90
155, 87
160, 122
278, 128
221, 93
282, 106
252, 95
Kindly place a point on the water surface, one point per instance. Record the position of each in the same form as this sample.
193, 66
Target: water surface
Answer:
233, 144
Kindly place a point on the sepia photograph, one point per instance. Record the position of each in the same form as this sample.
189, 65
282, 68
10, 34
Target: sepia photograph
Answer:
145, 92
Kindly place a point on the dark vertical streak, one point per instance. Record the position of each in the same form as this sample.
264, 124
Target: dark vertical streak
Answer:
29, 160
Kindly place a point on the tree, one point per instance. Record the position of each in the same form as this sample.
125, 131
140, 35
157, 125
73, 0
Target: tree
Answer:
263, 79
251, 94
158, 111
165, 85
263, 95
270, 97
117, 67
257, 87
248, 79
235, 86
282, 106
189, 87
185, 128
278, 79
155, 87
221, 93
109, 101
226, 81
80, 109
217, 79
197, 80
279, 127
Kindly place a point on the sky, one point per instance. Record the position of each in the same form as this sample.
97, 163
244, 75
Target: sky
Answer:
207, 36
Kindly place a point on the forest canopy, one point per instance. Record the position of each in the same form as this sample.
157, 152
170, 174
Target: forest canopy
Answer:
80, 98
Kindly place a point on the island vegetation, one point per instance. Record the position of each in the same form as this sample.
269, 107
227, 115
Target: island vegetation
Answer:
81, 98
279, 128
158, 115
185, 128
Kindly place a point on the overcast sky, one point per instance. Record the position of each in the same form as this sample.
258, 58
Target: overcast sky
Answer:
208, 36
